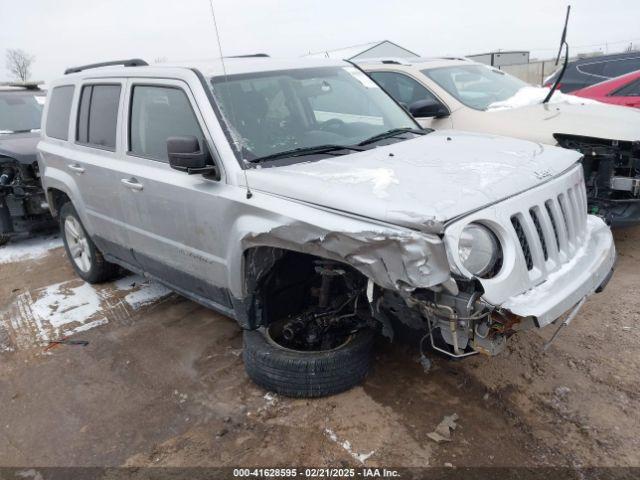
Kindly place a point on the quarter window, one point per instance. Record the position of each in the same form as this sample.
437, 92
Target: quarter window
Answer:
158, 113
98, 116
59, 112
630, 90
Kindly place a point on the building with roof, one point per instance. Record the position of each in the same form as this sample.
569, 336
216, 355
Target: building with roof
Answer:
382, 49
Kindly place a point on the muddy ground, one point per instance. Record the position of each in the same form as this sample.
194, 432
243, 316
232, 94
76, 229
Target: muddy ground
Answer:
162, 383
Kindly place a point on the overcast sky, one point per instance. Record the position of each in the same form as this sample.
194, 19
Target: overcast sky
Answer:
62, 33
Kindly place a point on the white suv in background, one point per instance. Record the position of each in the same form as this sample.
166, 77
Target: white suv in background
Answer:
458, 93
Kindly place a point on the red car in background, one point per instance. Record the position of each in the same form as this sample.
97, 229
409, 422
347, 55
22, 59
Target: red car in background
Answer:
624, 90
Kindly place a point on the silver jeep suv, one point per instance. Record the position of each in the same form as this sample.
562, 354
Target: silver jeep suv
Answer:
300, 199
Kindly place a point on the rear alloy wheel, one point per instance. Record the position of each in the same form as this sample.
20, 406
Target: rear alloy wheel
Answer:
86, 259
306, 373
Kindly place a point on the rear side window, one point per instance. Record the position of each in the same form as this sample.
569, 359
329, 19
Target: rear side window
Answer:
59, 111
98, 116
158, 113
616, 68
630, 90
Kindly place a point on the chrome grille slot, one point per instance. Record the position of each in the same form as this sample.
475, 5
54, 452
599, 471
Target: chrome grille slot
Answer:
536, 221
548, 205
524, 243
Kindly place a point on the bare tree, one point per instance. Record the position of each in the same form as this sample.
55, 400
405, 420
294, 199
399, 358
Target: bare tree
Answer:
19, 63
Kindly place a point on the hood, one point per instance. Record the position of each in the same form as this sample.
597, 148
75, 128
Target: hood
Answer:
21, 146
419, 183
540, 122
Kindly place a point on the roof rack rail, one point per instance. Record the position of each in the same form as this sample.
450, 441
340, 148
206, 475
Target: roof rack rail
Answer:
133, 62
250, 55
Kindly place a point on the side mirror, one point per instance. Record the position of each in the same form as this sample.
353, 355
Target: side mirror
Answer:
185, 155
428, 108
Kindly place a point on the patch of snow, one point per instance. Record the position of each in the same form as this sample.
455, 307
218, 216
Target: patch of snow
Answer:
61, 305
361, 457
87, 326
148, 293
381, 178
535, 95
271, 399
64, 309
28, 249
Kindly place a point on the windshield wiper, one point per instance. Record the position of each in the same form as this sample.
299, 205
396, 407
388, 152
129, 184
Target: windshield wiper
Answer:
302, 151
391, 133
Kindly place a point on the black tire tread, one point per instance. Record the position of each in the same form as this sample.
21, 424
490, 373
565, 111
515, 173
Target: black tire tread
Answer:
306, 374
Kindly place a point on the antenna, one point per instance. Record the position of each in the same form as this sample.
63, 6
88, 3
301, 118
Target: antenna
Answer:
224, 74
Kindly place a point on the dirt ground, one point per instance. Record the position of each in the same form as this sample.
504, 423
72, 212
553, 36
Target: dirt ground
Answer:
162, 383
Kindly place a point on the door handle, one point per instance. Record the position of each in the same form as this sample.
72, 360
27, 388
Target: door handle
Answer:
76, 168
132, 183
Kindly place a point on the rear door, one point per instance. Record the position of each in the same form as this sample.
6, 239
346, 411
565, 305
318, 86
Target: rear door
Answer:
94, 161
173, 218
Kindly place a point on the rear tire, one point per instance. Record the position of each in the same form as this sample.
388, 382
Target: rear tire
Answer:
86, 259
295, 373
4, 239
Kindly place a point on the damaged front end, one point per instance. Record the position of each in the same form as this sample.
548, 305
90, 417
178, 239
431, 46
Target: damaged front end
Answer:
23, 206
612, 176
520, 263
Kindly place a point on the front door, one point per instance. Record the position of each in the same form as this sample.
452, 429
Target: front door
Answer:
174, 217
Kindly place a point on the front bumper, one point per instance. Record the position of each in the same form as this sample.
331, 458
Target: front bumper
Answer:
588, 271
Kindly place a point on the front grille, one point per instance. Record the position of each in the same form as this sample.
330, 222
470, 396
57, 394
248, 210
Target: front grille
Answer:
552, 230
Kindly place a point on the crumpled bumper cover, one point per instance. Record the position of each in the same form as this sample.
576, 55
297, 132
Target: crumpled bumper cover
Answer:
581, 276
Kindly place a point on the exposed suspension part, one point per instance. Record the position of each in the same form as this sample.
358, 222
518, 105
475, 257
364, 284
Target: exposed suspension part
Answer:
329, 323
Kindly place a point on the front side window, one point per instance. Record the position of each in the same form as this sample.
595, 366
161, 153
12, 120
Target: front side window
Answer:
404, 89
98, 116
630, 90
268, 113
476, 86
20, 111
158, 113
59, 112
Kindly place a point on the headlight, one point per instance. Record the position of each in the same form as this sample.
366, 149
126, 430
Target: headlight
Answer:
478, 249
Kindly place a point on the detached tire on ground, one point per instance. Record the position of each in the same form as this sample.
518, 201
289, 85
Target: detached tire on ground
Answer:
86, 259
295, 373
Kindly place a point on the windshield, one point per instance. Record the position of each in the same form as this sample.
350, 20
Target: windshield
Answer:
476, 86
20, 111
273, 112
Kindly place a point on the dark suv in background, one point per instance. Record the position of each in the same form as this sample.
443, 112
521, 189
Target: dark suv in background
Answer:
23, 206
589, 71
